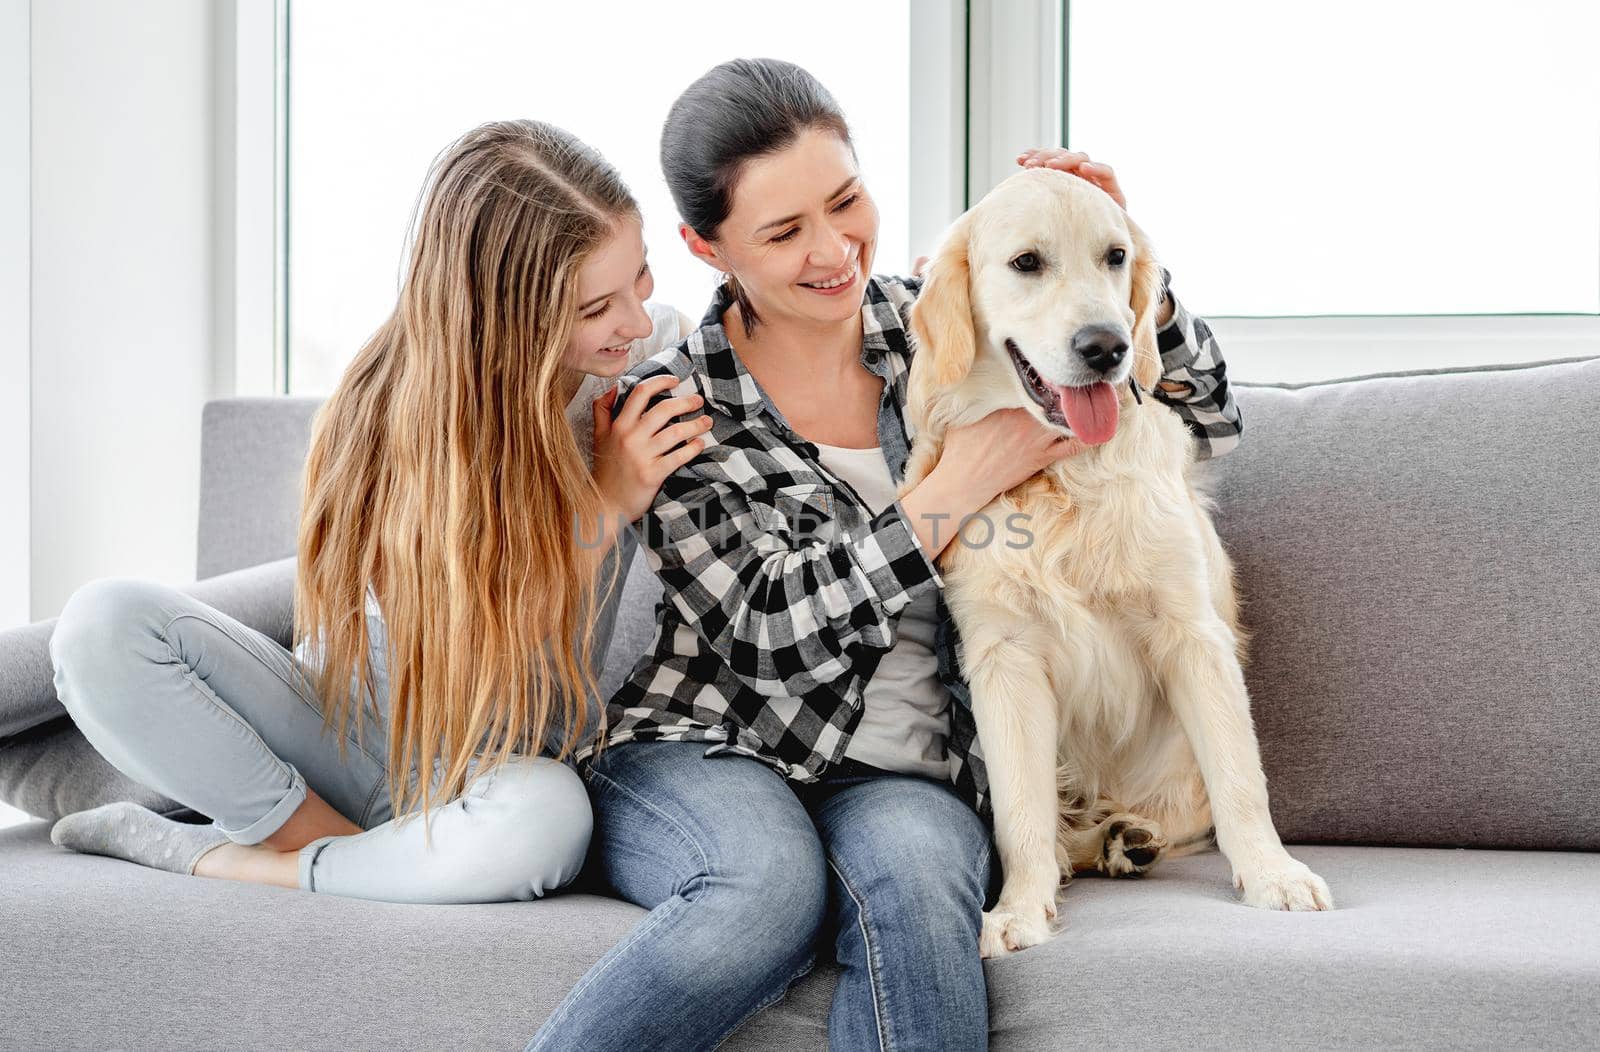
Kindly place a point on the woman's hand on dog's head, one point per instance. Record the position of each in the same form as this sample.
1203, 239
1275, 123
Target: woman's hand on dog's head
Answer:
1076, 163
1071, 161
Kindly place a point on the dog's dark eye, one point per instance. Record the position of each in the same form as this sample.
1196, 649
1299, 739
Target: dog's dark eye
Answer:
1027, 263
1116, 257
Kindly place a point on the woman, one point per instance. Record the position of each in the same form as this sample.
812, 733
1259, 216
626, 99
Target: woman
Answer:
448, 617
791, 763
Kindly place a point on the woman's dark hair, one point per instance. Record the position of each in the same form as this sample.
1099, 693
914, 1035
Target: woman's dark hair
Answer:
744, 108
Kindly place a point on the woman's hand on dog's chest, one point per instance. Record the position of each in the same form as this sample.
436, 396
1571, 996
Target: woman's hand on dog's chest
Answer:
977, 463
1004, 449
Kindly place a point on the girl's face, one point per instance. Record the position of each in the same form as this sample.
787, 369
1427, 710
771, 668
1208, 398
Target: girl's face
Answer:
612, 286
801, 234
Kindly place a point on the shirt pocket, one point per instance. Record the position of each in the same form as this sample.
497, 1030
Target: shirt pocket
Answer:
804, 512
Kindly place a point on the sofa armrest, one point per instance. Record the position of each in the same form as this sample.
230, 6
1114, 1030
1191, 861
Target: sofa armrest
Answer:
47, 768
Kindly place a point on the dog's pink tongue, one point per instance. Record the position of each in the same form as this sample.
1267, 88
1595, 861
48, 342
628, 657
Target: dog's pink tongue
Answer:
1091, 411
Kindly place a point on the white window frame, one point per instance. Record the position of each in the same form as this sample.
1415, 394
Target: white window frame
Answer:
251, 165
1016, 69
938, 132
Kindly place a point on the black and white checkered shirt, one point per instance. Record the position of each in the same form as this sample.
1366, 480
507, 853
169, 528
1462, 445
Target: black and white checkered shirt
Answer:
781, 591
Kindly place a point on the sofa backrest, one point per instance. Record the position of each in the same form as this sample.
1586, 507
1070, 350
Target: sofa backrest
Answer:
252, 461
1419, 561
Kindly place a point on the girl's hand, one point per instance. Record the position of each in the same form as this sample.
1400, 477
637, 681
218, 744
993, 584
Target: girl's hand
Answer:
634, 453
1002, 450
1077, 164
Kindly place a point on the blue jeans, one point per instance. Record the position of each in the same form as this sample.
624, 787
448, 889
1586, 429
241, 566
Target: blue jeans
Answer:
748, 875
190, 702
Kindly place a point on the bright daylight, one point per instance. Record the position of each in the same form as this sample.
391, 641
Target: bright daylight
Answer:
725, 524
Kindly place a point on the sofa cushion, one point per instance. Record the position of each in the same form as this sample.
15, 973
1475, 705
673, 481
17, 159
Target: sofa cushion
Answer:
1429, 948
52, 770
27, 693
1416, 554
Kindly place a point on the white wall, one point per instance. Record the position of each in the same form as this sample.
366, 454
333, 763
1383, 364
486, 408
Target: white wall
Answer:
121, 298
14, 359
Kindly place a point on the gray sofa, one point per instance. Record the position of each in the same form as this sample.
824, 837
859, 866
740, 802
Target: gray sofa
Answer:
1418, 560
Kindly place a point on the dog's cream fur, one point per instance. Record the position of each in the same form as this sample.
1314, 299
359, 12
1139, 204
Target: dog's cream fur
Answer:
1104, 657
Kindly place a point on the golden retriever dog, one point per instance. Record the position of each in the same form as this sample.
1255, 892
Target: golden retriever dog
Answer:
1104, 655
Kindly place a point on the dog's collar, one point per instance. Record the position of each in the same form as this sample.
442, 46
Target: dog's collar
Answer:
1135, 385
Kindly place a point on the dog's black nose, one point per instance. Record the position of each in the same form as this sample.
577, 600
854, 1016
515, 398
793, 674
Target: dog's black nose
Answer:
1102, 346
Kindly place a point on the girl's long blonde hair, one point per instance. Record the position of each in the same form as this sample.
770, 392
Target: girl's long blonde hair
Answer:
444, 475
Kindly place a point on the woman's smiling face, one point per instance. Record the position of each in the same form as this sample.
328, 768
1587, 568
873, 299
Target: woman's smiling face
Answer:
801, 232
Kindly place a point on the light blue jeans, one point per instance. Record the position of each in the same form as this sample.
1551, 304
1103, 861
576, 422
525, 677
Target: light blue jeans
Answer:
747, 875
222, 719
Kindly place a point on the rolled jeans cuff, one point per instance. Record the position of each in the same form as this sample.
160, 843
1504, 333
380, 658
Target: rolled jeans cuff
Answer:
308, 860
273, 820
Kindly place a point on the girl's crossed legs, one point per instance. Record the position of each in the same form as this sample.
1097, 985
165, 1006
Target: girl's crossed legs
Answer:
743, 872
221, 718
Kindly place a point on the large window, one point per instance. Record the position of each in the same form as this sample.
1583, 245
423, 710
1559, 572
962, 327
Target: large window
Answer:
1339, 190
376, 89
1368, 157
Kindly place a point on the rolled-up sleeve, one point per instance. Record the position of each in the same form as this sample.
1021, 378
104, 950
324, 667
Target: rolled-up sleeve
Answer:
1194, 382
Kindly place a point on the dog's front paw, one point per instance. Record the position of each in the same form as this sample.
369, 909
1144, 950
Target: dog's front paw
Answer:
1284, 885
1008, 928
1133, 845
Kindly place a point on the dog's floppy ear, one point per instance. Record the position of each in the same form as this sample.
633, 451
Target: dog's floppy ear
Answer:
1146, 303
941, 319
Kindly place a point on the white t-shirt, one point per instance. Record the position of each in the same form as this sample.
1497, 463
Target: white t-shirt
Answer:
906, 710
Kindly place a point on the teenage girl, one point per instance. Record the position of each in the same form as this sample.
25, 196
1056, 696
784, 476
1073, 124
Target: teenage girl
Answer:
460, 541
